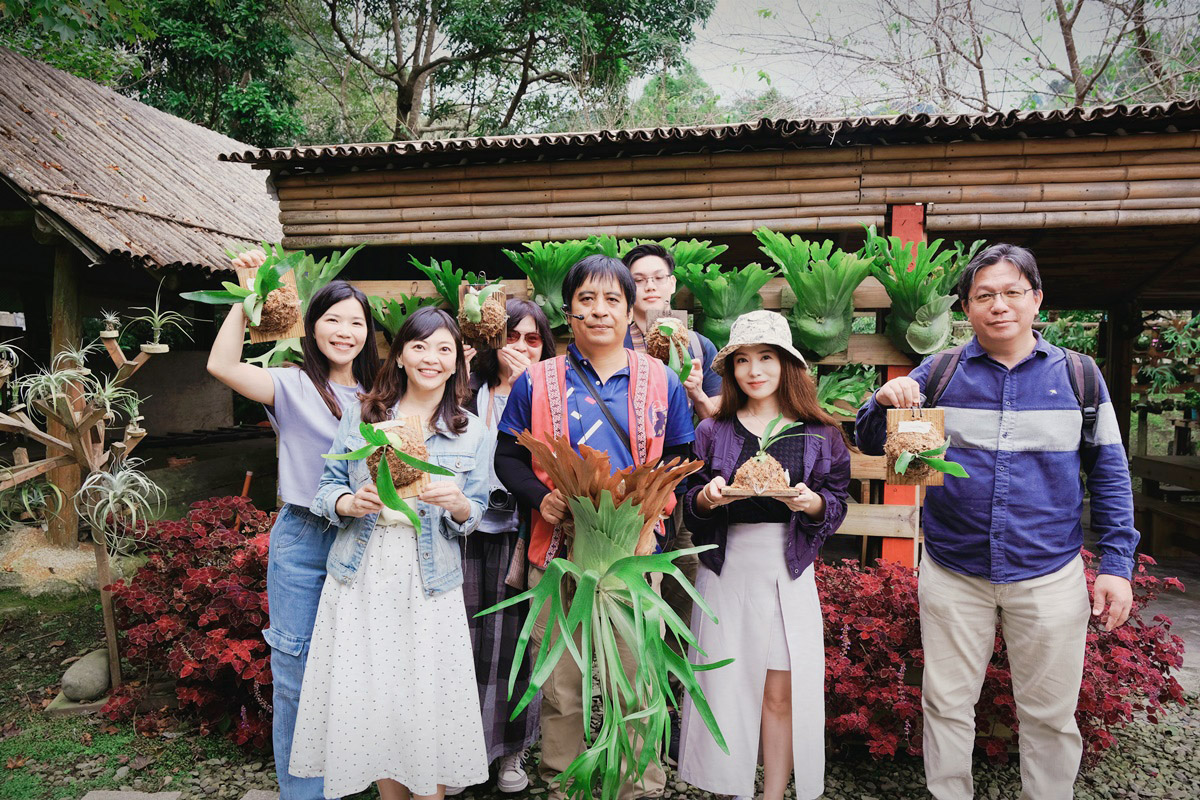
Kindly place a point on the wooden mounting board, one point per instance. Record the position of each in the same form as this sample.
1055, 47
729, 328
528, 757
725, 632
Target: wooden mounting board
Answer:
897, 420
416, 487
246, 278
742, 493
499, 296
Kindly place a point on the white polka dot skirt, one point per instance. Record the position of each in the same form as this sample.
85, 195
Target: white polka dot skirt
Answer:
389, 689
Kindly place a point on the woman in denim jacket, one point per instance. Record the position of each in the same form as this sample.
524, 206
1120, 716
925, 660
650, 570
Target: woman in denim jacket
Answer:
389, 693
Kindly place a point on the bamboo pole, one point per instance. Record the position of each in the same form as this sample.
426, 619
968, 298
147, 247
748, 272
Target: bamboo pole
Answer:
1065, 219
1029, 176
524, 223
1048, 161
1078, 144
562, 183
1107, 190
691, 229
1057, 205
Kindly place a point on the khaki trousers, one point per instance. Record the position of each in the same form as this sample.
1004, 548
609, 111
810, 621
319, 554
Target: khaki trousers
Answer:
563, 714
1044, 622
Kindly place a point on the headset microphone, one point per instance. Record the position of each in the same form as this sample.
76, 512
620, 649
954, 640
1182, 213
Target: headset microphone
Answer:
567, 313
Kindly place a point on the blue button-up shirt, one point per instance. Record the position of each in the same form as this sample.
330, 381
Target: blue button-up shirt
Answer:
1017, 432
586, 420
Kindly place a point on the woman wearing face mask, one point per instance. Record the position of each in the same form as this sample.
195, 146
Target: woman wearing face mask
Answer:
390, 696
494, 557
304, 406
759, 579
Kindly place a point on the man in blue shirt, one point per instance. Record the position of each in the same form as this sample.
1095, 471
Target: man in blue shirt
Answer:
650, 416
1007, 540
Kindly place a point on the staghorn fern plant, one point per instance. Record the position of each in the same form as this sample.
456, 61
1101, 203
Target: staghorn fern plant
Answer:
446, 280
847, 385
391, 313
614, 517
920, 280
546, 265
723, 295
824, 284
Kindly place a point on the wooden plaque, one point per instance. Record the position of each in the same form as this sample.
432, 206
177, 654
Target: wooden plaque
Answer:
246, 279
499, 296
416, 487
914, 419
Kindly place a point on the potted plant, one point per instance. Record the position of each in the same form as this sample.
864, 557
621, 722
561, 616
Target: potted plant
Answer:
917, 455
404, 448
1191, 403
600, 592
823, 281
34, 502
52, 389
160, 320
112, 324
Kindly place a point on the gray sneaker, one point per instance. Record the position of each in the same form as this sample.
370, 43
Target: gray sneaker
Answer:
453, 790
511, 776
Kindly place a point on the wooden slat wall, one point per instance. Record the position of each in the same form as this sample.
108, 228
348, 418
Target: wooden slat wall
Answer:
1021, 184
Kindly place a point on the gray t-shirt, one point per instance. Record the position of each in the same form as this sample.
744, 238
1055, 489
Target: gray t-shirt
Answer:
305, 429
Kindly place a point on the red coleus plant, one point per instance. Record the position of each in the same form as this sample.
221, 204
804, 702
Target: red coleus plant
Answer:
196, 612
873, 658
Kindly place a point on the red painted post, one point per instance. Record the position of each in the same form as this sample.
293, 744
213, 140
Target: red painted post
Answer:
908, 223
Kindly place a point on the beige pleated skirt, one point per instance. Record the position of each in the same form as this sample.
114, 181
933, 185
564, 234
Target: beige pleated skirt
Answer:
766, 620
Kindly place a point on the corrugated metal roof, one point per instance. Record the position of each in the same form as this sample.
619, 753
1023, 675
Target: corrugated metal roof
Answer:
135, 182
763, 133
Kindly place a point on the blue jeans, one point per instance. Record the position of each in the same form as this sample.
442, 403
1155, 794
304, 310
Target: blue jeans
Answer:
300, 542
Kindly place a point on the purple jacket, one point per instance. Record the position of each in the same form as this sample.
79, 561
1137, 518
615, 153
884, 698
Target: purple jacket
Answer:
826, 471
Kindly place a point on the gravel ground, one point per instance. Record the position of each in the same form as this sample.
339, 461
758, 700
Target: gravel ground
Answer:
1149, 761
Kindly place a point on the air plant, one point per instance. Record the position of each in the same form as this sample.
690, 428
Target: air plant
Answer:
546, 265
112, 324
824, 284
393, 457
391, 313
601, 593
36, 500
131, 405
109, 395
117, 502
723, 295
762, 472
928, 461
160, 320
270, 305
69, 357
9, 357
53, 388
848, 385
445, 279
921, 281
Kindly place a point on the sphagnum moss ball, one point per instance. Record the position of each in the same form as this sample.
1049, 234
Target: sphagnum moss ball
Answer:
281, 310
402, 474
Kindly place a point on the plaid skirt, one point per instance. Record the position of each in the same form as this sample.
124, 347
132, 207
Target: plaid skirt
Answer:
486, 558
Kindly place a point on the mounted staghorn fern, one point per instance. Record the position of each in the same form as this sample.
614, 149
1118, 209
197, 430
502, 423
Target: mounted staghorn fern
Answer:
269, 304
848, 385
482, 316
763, 472
546, 265
667, 340
602, 593
922, 295
391, 313
824, 284
397, 465
723, 295
927, 461
445, 279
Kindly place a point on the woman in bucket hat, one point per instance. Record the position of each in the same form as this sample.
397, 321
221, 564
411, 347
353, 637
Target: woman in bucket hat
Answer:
759, 578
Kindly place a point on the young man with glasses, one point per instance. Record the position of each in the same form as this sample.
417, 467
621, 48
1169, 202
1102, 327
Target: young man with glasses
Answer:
653, 269
1007, 540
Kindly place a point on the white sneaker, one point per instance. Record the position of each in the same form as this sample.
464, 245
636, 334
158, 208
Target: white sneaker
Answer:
453, 790
511, 777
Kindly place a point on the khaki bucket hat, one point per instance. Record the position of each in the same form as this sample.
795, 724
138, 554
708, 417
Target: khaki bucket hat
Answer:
758, 327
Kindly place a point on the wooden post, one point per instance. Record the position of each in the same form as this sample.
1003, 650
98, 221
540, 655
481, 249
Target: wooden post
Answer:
103, 579
1124, 326
66, 328
907, 222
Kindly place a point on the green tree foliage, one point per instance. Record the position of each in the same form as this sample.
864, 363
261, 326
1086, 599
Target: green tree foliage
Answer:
88, 38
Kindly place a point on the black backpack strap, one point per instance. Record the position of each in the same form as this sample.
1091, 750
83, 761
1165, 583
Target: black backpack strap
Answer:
940, 372
1081, 369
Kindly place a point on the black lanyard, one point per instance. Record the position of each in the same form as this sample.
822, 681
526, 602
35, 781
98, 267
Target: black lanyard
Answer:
616, 426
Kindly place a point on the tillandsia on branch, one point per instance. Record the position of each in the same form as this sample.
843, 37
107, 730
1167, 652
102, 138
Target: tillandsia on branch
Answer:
611, 598
392, 444
823, 281
268, 304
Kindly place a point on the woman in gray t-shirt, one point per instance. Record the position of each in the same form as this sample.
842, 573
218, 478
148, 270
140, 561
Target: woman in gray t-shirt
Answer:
304, 404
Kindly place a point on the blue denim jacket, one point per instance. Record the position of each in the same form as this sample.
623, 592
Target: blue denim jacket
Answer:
437, 542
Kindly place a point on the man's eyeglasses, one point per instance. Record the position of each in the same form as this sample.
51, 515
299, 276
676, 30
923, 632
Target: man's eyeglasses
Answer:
531, 339
646, 280
1009, 295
